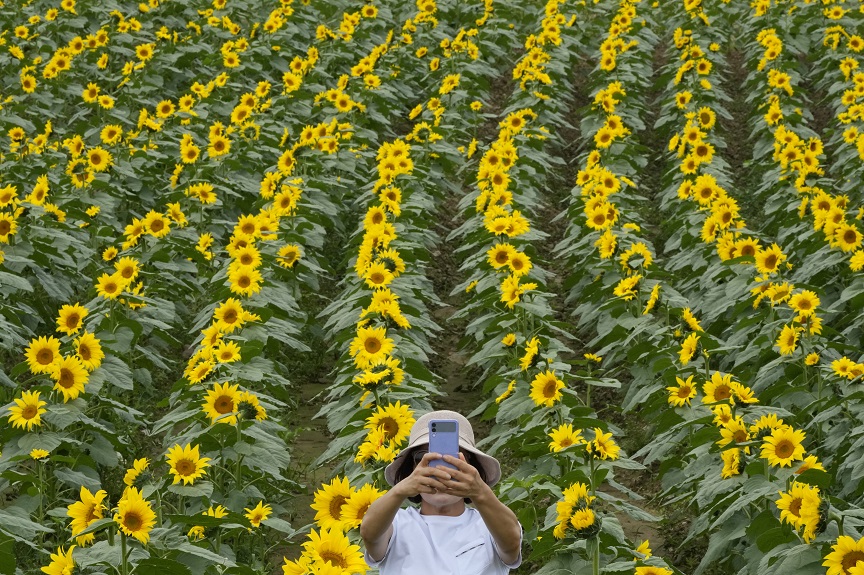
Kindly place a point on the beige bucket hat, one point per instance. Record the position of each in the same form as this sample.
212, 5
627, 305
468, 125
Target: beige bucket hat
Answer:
420, 437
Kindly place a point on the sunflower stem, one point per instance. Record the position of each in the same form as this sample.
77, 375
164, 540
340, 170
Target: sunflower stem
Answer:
124, 567
41, 497
238, 475
158, 507
595, 559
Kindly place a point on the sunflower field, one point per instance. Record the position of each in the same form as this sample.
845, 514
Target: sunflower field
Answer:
245, 244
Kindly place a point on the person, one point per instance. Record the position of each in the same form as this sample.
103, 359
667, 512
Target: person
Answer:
443, 537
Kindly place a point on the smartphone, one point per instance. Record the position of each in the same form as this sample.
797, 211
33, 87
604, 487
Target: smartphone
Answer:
444, 439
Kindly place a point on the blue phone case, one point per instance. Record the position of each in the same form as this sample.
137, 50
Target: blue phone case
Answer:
444, 439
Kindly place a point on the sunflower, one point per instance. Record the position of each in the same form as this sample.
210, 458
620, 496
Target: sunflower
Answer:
134, 515
110, 286
768, 260
735, 431
532, 347
42, 353
800, 507
221, 400
564, 436
706, 118
27, 410
848, 237
746, 247
520, 264
186, 464
90, 508
61, 562
111, 134
249, 407
393, 420
783, 446
99, 159
89, 350
219, 146
71, 318
546, 388
70, 376
128, 268
371, 345
197, 531
8, 227
329, 501
245, 281
333, 547
38, 454
845, 554
583, 519
227, 352
805, 303
258, 513
719, 388
682, 393
498, 255
377, 275
732, 463
788, 339
138, 467
688, 348
603, 446
653, 571
358, 503
230, 315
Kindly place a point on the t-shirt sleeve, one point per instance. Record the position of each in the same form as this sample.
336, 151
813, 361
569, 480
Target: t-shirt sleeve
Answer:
371, 562
518, 560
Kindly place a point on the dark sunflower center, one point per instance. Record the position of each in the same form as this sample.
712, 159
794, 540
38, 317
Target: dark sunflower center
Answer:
795, 507
67, 379
390, 427
223, 404
372, 345
334, 558
784, 450
185, 467
45, 356
29, 412
852, 559
133, 521
336, 506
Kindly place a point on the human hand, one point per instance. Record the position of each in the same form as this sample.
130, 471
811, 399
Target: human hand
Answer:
424, 478
466, 481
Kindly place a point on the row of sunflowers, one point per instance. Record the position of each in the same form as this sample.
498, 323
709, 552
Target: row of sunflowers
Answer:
180, 184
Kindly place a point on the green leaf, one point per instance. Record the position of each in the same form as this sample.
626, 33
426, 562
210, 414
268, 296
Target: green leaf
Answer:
157, 566
97, 525
8, 563
198, 489
203, 553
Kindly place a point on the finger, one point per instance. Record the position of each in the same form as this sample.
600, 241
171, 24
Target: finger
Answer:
460, 464
427, 458
435, 473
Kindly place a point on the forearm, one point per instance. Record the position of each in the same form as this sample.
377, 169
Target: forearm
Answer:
379, 516
502, 524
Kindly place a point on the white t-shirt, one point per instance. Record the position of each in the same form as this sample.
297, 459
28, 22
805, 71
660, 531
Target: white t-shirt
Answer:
441, 544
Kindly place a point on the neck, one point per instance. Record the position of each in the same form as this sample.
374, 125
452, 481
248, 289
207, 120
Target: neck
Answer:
452, 509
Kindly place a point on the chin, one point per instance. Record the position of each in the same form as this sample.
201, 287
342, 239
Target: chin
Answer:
440, 499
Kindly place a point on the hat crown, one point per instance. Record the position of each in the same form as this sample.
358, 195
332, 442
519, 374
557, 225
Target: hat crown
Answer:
420, 430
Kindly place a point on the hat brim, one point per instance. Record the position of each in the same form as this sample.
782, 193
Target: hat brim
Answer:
491, 467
